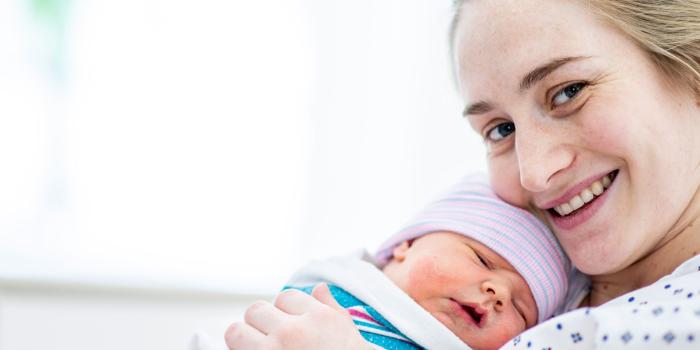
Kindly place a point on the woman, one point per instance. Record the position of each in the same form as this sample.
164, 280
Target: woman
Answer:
568, 95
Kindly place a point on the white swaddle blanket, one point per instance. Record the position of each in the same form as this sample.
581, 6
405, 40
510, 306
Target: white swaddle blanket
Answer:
357, 274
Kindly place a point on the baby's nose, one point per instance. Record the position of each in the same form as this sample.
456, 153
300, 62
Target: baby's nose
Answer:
498, 291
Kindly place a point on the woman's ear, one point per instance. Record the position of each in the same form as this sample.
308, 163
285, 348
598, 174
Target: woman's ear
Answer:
401, 250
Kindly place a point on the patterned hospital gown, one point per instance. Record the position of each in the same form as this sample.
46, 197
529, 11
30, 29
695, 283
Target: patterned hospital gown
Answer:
664, 315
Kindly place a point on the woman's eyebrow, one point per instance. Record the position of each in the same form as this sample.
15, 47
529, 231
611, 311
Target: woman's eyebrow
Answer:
530, 79
544, 70
479, 107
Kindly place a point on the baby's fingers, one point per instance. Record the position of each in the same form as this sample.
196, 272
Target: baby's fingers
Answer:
323, 294
265, 317
295, 302
241, 336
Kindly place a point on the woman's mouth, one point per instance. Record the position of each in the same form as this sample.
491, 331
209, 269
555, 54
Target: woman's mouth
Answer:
586, 196
582, 205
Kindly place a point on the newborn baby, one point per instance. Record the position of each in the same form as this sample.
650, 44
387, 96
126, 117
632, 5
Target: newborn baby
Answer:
469, 269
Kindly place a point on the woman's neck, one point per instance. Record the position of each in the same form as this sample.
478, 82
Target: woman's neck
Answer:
681, 244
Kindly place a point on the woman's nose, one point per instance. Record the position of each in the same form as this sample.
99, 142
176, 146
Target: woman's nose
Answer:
541, 156
498, 291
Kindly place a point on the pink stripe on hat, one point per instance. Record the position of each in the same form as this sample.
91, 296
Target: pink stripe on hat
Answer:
471, 208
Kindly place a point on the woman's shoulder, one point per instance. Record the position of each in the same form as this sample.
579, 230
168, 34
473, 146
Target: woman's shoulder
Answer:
691, 265
683, 282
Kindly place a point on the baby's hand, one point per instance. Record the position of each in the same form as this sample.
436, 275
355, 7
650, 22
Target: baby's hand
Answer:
296, 321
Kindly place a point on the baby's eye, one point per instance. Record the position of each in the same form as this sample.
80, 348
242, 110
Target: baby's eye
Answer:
566, 94
520, 311
482, 260
500, 131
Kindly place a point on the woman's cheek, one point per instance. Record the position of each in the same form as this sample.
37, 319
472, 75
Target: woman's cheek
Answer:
505, 180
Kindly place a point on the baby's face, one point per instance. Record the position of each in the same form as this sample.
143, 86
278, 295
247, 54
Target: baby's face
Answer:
465, 285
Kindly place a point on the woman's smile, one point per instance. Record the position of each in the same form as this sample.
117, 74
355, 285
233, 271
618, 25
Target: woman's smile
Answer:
578, 205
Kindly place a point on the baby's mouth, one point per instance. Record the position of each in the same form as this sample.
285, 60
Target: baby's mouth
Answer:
474, 312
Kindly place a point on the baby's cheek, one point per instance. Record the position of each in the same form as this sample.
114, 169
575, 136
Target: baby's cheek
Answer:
430, 271
505, 331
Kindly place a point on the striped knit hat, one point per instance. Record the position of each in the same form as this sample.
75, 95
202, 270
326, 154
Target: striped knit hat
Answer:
472, 209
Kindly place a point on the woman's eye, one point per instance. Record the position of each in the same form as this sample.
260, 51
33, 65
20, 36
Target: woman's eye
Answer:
501, 131
566, 94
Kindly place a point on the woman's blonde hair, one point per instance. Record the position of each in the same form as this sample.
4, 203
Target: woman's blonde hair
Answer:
668, 30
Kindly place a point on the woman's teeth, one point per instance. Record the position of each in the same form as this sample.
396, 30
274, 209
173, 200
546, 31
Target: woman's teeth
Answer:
587, 195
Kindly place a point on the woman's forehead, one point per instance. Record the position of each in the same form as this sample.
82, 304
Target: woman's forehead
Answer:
498, 42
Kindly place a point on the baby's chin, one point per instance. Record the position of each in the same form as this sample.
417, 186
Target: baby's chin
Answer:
490, 337
484, 340
487, 338
447, 321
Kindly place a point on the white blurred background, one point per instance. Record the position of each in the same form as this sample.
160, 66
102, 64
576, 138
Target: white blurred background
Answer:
164, 163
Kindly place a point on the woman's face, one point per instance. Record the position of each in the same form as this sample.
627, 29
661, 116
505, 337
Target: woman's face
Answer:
565, 102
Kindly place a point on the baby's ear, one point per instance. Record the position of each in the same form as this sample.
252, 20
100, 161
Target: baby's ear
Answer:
401, 250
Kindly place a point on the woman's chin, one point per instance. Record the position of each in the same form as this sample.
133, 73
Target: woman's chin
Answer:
597, 257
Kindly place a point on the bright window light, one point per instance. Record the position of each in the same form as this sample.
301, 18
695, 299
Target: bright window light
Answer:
218, 144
